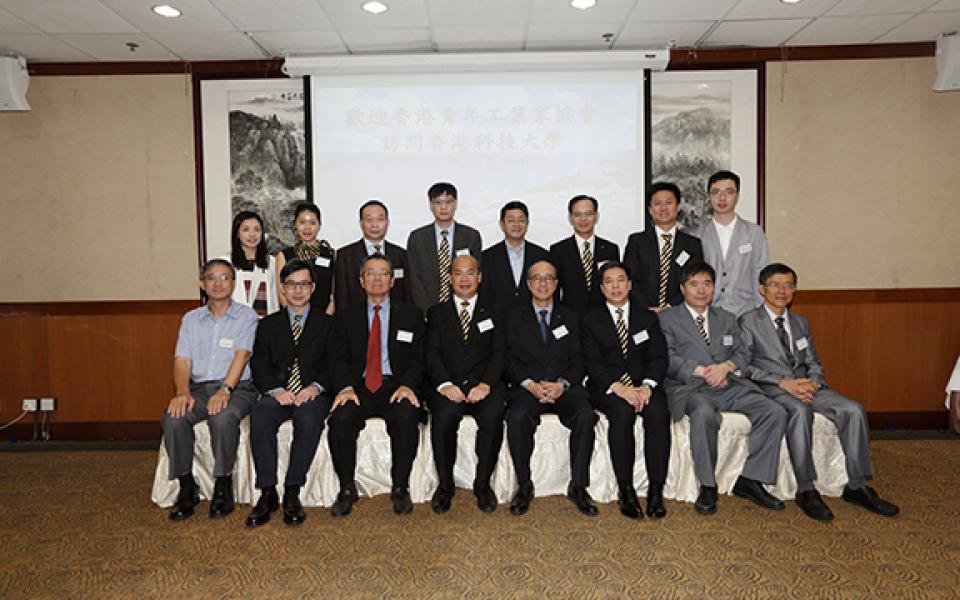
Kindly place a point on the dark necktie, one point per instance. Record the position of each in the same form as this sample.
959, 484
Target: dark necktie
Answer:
624, 345
543, 325
293, 381
587, 259
443, 263
465, 319
785, 342
374, 377
703, 332
664, 268
376, 249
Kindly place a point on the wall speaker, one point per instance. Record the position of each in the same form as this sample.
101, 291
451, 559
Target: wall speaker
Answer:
14, 80
948, 63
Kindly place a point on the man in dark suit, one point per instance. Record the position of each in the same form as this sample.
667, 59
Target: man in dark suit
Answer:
705, 377
290, 370
374, 221
505, 264
785, 364
465, 357
432, 248
656, 254
545, 371
626, 358
377, 363
579, 256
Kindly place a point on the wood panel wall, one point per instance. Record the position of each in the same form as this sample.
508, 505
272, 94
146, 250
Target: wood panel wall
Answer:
109, 363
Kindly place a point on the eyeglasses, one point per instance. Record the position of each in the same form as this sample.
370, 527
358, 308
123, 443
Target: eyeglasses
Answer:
780, 286
292, 285
221, 277
542, 278
585, 213
728, 192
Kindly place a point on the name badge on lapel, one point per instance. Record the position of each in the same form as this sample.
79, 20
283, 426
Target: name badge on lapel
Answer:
728, 340
322, 261
485, 325
802, 343
640, 337
746, 248
682, 258
226, 343
398, 273
560, 332
463, 252
404, 336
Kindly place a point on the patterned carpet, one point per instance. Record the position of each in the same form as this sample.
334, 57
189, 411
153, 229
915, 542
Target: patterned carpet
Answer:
80, 524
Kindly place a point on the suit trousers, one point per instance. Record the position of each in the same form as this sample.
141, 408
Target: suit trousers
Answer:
576, 414
852, 428
623, 446
265, 419
445, 417
767, 423
224, 428
403, 425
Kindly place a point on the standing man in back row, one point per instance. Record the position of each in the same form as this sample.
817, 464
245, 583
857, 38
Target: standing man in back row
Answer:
735, 248
579, 257
505, 264
432, 248
374, 222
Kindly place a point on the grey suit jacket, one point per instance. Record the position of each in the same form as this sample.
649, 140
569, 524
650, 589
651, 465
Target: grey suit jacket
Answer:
768, 362
687, 350
423, 284
736, 285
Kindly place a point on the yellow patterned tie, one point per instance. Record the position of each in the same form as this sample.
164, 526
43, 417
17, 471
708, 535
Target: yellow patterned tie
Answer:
624, 344
588, 265
293, 381
465, 320
443, 262
376, 249
703, 332
664, 268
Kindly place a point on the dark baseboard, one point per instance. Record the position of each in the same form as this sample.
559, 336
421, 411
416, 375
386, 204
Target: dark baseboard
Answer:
892, 421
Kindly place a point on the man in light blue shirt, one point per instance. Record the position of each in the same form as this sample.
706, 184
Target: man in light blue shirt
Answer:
212, 381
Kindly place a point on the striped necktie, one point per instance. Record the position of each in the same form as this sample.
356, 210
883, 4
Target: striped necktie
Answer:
443, 263
293, 381
664, 268
587, 260
703, 332
785, 342
624, 345
465, 320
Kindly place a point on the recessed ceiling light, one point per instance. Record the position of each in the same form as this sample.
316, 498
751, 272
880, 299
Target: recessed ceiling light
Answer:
583, 4
374, 7
165, 10
791, 1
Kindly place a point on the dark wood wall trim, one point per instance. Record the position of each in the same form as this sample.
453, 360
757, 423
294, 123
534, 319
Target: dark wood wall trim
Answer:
106, 307
225, 69
878, 296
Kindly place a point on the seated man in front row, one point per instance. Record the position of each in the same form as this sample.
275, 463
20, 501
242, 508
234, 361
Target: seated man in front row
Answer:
545, 370
626, 359
212, 383
465, 355
706, 359
784, 363
377, 363
290, 369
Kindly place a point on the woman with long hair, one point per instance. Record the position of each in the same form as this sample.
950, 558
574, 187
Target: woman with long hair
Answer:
256, 270
319, 253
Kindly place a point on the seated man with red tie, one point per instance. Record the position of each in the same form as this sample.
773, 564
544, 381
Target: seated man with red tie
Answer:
377, 363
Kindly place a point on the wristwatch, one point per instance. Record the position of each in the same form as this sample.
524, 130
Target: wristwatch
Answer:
226, 387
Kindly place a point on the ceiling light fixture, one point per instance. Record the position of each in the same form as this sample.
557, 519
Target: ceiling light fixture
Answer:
375, 8
791, 1
165, 10
583, 4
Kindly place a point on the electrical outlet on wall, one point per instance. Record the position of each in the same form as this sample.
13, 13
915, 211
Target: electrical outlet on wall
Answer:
48, 404
30, 404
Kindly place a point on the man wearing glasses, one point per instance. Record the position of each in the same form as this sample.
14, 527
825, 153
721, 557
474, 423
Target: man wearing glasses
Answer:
212, 382
289, 368
735, 248
579, 257
432, 248
545, 371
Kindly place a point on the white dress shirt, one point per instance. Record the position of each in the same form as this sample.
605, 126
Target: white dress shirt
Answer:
725, 233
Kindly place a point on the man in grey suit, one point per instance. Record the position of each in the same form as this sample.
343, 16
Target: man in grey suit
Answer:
784, 363
707, 358
432, 248
735, 248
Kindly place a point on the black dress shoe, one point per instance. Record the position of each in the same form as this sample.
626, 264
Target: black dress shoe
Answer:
629, 507
222, 504
813, 506
266, 504
187, 501
344, 502
655, 507
522, 499
756, 493
486, 499
402, 504
292, 509
706, 503
868, 498
440, 503
579, 496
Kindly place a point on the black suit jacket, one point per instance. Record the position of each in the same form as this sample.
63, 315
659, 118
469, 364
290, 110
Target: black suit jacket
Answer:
449, 358
346, 287
604, 357
349, 345
274, 351
529, 358
642, 257
498, 286
566, 256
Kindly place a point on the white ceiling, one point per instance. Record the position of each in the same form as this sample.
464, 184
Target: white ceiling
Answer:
102, 30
